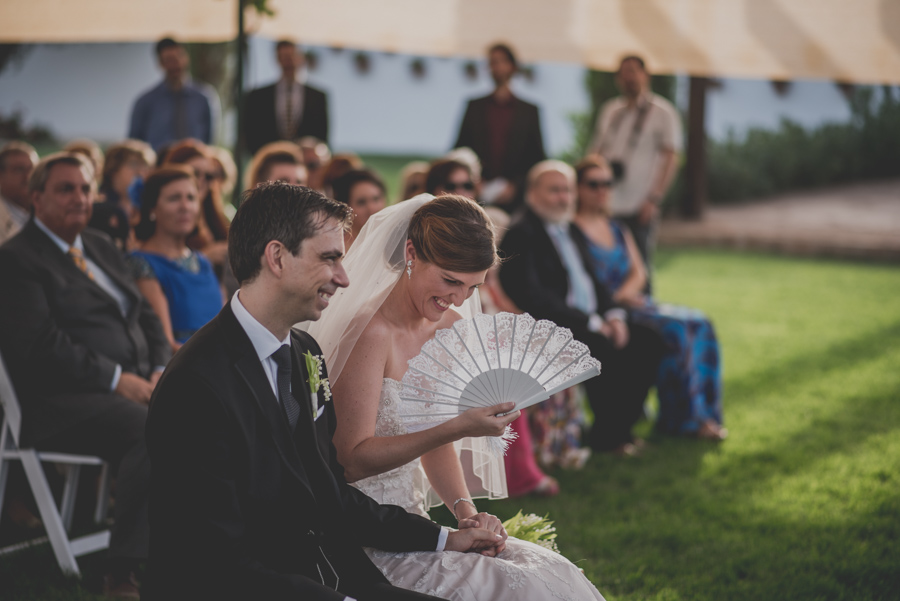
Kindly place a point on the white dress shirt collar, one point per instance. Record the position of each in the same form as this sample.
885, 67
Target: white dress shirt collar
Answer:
264, 342
62, 244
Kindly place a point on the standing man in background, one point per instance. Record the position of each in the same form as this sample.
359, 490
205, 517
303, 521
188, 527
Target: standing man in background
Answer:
639, 133
177, 108
505, 133
288, 109
17, 159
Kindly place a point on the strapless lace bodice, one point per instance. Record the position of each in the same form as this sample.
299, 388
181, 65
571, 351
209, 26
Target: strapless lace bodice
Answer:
406, 485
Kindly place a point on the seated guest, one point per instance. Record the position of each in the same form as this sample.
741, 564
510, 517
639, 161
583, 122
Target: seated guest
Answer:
412, 179
211, 236
178, 282
689, 381
316, 156
447, 176
89, 149
467, 156
365, 193
557, 426
277, 162
338, 166
224, 178
126, 163
544, 275
83, 347
17, 159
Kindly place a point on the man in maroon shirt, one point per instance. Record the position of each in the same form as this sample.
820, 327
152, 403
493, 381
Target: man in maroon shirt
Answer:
505, 133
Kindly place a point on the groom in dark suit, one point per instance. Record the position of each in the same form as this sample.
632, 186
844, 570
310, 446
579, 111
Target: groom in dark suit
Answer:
247, 498
83, 347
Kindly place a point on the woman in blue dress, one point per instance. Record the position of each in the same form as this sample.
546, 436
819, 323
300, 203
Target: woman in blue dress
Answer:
178, 282
689, 381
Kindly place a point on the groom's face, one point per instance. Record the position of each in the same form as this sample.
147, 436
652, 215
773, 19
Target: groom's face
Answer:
315, 274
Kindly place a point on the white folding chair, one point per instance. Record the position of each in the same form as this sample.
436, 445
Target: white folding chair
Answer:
57, 520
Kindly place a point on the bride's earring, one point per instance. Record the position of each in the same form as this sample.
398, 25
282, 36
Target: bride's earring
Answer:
409, 269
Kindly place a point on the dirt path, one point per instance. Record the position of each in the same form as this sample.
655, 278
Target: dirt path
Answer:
856, 221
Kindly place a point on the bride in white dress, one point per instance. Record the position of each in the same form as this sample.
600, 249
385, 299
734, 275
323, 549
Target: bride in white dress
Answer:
411, 263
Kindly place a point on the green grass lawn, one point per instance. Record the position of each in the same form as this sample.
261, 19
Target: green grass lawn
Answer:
801, 502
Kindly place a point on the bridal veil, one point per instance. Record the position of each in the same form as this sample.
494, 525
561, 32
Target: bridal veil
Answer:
374, 264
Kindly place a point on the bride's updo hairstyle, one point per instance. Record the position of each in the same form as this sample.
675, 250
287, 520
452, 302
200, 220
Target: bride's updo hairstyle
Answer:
455, 234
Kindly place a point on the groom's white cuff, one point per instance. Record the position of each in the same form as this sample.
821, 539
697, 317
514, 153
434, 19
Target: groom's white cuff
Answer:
442, 538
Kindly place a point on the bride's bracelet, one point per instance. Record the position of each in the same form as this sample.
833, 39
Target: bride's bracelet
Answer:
458, 501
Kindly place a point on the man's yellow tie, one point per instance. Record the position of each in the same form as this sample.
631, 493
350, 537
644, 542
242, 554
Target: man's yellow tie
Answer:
80, 262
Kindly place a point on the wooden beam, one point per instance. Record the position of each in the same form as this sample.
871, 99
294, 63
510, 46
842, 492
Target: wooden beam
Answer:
694, 201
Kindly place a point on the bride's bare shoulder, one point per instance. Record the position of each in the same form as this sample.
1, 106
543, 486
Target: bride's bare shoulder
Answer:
377, 332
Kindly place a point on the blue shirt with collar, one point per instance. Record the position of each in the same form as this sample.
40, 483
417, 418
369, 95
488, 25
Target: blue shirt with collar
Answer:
153, 115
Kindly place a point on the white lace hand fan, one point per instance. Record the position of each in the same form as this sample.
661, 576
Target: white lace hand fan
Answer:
488, 360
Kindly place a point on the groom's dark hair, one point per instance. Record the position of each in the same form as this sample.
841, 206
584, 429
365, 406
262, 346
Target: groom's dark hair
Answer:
277, 211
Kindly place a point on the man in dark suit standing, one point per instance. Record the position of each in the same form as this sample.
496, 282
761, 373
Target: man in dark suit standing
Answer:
287, 109
83, 347
505, 133
247, 498
545, 275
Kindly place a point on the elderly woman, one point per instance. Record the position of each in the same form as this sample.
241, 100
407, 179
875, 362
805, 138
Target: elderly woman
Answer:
178, 282
365, 193
689, 380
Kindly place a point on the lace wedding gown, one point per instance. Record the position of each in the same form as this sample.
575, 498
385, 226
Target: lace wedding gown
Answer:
523, 572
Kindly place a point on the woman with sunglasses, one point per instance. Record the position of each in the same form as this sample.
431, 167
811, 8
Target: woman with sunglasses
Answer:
448, 176
689, 381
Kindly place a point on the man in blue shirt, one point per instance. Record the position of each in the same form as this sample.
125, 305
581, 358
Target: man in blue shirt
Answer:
178, 107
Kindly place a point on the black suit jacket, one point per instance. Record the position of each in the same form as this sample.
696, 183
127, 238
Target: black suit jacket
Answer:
239, 506
60, 333
261, 125
534, 277
524, 147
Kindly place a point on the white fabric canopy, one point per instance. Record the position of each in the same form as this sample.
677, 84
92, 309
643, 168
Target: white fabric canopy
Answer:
846, 40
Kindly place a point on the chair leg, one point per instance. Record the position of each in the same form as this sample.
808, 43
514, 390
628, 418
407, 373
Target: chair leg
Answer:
67, 506
4, 463
49, 514
102, 508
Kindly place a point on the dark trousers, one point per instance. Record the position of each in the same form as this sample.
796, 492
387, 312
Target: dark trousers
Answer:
114, 432
617, 395
644, 235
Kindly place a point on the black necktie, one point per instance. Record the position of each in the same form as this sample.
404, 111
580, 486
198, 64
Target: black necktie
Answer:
291, 407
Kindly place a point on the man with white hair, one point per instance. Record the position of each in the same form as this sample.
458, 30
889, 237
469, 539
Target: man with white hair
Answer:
545, 275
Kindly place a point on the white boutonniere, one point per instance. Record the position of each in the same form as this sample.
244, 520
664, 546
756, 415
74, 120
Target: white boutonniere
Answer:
316, 381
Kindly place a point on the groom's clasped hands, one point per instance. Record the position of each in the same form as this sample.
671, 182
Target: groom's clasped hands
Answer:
481, 533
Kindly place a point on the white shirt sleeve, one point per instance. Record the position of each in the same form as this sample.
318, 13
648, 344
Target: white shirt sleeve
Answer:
117, 375
442, 538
